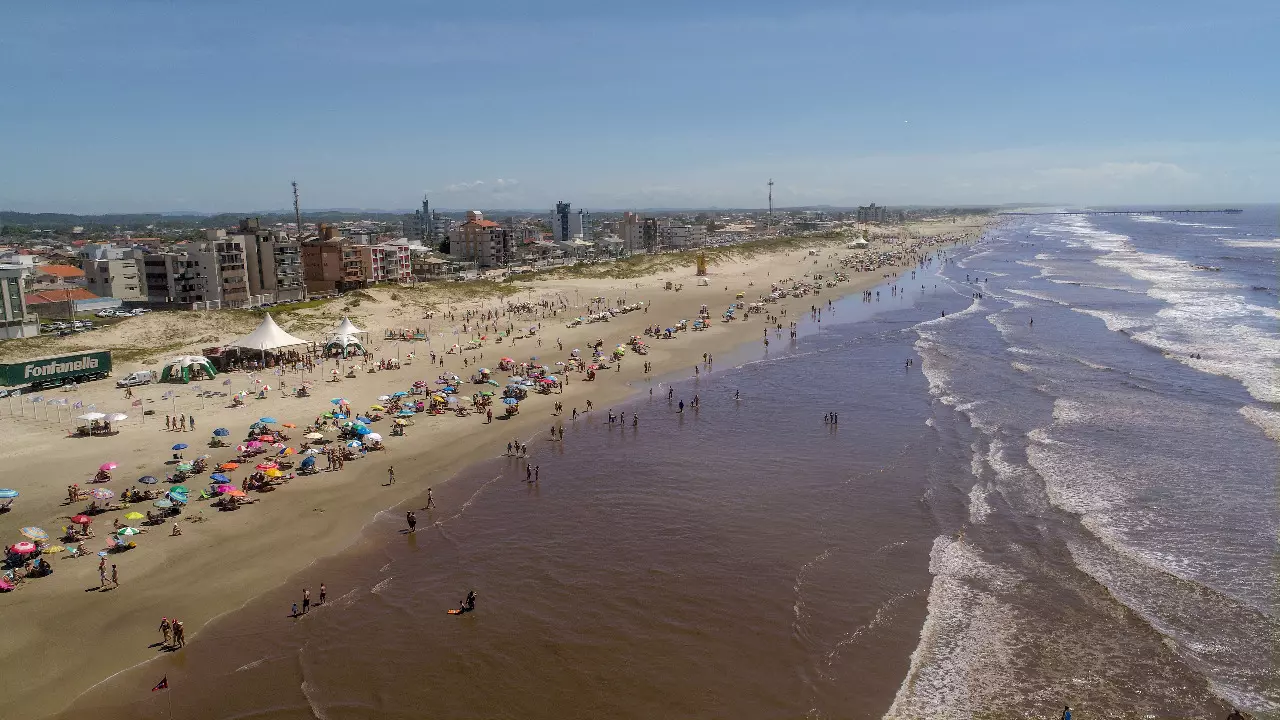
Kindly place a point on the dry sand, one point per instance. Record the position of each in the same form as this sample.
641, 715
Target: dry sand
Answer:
64, 635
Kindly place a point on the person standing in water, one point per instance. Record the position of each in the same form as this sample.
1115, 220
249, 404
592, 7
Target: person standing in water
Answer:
413, 521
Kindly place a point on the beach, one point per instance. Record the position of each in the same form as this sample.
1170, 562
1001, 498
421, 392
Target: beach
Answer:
218, 566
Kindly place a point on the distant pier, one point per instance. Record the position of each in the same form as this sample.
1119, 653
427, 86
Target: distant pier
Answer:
1184, 211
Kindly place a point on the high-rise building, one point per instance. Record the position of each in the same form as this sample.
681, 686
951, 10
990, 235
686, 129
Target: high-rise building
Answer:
16, 321
273, 261
874, 214
631, 230
387, 262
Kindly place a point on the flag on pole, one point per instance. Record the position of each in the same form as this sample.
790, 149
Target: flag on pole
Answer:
162, 685
92, 408
77, 405
227, 381
136, 403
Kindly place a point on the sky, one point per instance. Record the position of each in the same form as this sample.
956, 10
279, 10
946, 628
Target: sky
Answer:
142, 106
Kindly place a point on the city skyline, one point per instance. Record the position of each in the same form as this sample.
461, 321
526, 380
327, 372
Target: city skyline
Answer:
150, 107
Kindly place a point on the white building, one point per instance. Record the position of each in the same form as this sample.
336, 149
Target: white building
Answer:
678, 237
115, 278
15, 320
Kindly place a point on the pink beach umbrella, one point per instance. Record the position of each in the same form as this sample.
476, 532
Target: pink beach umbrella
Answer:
224, 488
108, 467
102, 494
26, 547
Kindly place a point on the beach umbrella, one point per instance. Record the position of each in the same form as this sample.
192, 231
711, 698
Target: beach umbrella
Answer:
229, 466
312, 451
384, 398
510, 401
402, 423
406, 413
241, 448
363, 419
221, 432
340, 416
102, 494
377, 408
126, 531
163, 503
185, 467
134, 516
373, 437
288, 451
268, 420
265, 466
82, 519
361, 430
23, 548
219, 477
91, 416
34, 533
483, 370
148, 480
314, 436
54, 549
179, 446
203, 457
115, 417
401, 393
108, 467
254, 444
354, 444
235, 492
273, 472
266, 438
338, 401
224, 487
308, 462
288, 425
6, 493
179, 489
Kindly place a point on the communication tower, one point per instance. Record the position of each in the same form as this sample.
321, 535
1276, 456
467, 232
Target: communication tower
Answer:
297, 210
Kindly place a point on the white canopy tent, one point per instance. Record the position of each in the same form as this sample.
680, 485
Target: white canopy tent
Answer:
267, 336
349, 328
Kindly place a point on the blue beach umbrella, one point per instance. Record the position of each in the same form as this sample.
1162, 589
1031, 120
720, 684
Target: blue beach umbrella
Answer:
406, 412
360, 429
221, 432
510, 401
163, 503
354, 444
8, 493
219, 478
338, 401
267, 420
180, 446
340, 416
363, 419
148, 480
400, 394
308, 462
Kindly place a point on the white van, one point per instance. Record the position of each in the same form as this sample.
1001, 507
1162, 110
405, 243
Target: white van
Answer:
142, 377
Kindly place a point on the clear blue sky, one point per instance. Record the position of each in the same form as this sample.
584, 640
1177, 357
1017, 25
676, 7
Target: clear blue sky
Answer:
215, 105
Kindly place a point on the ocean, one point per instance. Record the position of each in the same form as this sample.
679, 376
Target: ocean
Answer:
1071, 511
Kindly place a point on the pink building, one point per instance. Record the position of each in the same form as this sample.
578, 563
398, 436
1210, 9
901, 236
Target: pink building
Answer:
389, 262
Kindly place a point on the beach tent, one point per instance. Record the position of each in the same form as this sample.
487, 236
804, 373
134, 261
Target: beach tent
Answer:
343, 345
267, 336
346, 327
181, 368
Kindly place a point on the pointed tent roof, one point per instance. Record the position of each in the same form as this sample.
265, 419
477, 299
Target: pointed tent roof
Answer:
347, 328
267, 336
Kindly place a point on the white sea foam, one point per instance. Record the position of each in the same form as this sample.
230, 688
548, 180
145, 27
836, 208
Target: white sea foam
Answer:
1268, 420
1038, 296
1113, 320
956, 669
979, 508
1022, 367
1265, 244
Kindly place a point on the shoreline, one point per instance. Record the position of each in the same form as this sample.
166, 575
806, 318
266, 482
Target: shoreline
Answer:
313, 535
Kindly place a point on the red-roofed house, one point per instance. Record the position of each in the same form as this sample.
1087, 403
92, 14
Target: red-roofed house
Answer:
481, 241
53, 296
57, 276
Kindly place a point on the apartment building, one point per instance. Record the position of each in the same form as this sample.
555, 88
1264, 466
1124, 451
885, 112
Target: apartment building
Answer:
330, 264
118, 278
480, 241
16, 321
273, 261
387, 262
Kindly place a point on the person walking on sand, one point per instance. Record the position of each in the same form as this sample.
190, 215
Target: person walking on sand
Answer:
536, 470
115, 577
165, 630
306, 600
102, 573
431, 502
179, 633
323, 593
411, 520
391, 475
528, 473
191, 420
168, 422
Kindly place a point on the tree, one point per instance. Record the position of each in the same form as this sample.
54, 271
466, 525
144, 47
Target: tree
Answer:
444, 246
